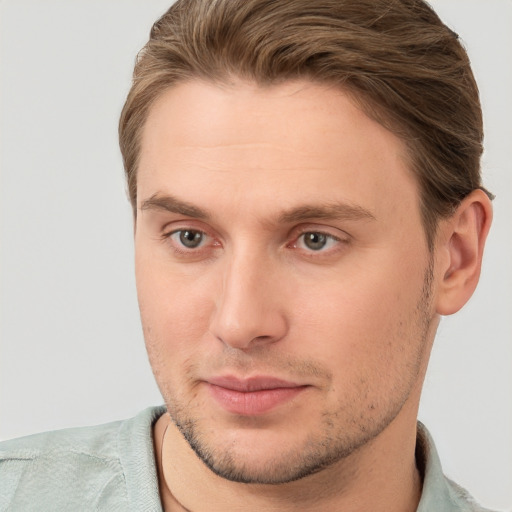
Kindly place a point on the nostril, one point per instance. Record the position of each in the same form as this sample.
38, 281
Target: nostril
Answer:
264, 339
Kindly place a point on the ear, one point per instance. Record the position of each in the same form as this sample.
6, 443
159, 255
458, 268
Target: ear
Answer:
460, 249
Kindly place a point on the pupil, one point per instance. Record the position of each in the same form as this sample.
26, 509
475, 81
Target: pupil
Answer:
315, 241
191, 239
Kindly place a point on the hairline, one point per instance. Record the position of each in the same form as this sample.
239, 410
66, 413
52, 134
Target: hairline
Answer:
360, 100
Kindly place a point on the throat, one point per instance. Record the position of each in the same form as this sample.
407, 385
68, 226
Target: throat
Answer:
355, 485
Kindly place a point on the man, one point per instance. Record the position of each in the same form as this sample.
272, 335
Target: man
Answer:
307, 203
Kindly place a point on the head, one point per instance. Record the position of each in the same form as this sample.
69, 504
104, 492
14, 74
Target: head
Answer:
397, 60
297, 171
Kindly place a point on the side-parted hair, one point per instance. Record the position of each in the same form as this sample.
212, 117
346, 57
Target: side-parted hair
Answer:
395, 58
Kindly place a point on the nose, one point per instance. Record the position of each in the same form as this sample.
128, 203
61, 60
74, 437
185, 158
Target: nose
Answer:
250, 307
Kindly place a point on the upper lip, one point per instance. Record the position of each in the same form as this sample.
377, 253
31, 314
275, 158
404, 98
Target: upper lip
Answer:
257, 383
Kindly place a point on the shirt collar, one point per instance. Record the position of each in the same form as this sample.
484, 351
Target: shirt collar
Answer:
137, 458
439, 493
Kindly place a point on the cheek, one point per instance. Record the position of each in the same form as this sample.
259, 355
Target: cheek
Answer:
365, 324
175, 313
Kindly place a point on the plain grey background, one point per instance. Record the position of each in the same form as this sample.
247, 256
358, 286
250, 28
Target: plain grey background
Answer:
71, 349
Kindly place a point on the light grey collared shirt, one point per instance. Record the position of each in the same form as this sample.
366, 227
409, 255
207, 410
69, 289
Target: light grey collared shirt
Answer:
111, 468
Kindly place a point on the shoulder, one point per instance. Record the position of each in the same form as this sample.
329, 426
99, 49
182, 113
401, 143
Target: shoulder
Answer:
463, 499
71, 469
95, 442
439, 492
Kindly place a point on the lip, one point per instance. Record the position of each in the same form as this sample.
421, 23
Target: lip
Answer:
252, 396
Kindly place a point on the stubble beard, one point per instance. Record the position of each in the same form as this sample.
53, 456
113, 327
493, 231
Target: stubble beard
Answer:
316, 453
329, 444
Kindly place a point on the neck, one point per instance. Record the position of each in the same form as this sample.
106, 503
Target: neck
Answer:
382, 475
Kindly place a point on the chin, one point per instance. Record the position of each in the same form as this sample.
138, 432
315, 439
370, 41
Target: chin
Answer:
271, 456
265, 467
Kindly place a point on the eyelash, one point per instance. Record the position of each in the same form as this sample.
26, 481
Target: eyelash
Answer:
327, 236
182, 250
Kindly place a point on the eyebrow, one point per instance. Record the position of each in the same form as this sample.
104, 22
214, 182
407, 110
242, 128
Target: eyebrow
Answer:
334, 211
174, 205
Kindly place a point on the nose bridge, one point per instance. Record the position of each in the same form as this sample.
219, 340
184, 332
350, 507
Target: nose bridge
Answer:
248, 309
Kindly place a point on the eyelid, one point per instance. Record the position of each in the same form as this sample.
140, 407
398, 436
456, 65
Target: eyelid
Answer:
204, 235
182, 224
212, 240
183, 228
338, 238
328, 236
168, 234
330, 231
185, 224
201, 252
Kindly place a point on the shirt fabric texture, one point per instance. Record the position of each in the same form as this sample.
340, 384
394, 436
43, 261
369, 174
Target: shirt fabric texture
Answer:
111, 468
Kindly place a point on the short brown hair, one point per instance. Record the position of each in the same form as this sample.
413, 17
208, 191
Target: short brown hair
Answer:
396, 58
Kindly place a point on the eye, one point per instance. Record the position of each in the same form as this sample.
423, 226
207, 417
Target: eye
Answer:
189, 238
316, 241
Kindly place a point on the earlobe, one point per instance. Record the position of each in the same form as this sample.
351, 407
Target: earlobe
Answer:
462, 244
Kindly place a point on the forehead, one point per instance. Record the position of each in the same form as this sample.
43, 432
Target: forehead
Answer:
297, 141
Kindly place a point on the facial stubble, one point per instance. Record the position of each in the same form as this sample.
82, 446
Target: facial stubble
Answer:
326, 446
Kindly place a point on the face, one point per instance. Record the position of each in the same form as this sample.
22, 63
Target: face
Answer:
282, 274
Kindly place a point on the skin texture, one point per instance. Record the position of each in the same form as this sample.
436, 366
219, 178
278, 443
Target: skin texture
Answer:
251, 174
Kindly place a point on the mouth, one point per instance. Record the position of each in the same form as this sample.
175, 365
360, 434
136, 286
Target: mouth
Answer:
253, 396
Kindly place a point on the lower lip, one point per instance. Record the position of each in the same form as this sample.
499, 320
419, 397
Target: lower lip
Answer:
252, 403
